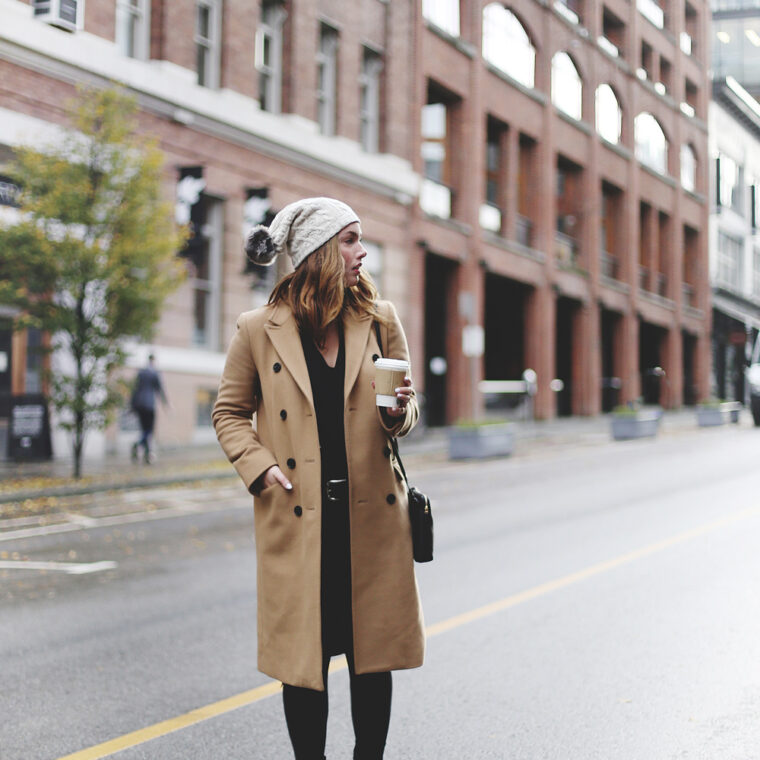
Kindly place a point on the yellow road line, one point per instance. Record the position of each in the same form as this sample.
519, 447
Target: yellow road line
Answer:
106, 749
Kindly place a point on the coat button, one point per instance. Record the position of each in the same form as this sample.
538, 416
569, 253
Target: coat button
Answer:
292, 463
375, 357
390, 498
297, 511
283, 415
277, 366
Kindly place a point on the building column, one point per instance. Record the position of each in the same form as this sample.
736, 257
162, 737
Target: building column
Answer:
511, 149
587, 362
629, 358
540, 337
470, 196
673, 366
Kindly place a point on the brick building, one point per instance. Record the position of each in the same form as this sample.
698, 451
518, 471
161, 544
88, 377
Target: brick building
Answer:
569, 142
531, 177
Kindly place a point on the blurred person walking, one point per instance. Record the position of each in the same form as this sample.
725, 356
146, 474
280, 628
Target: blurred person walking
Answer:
147, 387
333, 546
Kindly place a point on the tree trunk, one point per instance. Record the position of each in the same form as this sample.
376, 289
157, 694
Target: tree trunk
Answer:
78, 441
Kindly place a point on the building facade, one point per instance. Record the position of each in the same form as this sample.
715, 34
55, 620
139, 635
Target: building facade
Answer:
734, 242
564, 200
532, 178
254, 105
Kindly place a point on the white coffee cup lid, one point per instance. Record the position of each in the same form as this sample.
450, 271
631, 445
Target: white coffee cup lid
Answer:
399, 365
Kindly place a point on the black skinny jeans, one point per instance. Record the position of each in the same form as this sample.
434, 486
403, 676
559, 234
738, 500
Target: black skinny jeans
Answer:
306, 714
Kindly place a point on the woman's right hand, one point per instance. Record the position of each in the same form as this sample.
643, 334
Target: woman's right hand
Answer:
275, 475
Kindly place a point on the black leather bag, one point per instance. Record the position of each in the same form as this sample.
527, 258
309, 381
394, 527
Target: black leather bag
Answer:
420, 516
420, 513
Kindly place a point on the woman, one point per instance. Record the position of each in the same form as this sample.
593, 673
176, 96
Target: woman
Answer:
334, 556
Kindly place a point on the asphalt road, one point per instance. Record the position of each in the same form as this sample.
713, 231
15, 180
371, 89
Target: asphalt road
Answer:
599, 602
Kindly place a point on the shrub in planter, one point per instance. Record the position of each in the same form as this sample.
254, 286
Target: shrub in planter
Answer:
715, 412
629, 422
478, 440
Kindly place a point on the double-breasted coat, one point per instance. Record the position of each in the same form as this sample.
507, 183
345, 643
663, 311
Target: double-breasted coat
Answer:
266, 379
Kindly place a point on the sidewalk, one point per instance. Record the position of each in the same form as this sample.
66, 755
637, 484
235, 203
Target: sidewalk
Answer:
35, 480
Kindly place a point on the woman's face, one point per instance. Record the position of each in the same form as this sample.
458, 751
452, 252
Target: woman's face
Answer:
352, 250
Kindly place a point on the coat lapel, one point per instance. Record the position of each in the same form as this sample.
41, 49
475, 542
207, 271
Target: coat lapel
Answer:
283, 332
356, 334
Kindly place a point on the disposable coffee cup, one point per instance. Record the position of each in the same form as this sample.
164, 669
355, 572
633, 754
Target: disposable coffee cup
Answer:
389, 375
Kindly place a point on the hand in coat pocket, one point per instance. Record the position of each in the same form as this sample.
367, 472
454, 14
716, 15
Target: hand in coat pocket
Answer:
275, 475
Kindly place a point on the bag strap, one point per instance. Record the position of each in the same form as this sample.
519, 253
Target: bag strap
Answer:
394, 442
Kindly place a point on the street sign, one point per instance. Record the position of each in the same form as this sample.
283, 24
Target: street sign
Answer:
29, 428
473, 340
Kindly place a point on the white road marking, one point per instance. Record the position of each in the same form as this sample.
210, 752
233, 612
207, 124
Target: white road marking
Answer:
83, 520
85, 523
71, 568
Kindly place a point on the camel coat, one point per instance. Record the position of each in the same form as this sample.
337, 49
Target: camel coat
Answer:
265, 377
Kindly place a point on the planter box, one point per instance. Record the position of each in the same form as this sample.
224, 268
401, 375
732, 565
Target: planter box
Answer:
481, 442
641, 425
711, 416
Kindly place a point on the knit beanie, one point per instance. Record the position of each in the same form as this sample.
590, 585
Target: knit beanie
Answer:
298, 230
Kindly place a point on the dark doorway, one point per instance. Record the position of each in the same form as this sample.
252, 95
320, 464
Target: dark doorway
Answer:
566, 312
439, 276
504, 335
689, 376
611, 383
6, 335
654, 384
729, 356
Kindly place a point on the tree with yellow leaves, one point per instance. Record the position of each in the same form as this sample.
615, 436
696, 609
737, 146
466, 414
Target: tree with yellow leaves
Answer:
92, 255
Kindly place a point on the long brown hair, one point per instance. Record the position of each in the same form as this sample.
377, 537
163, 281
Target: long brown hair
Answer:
317, 293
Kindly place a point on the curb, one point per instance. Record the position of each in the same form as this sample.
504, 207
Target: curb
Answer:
8, 498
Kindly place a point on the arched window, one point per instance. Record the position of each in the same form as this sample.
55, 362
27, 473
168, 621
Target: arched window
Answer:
688, 168
651, 143
609, 117
567, 87
507, 46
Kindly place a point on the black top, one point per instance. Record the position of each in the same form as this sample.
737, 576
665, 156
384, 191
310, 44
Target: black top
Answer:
327, 390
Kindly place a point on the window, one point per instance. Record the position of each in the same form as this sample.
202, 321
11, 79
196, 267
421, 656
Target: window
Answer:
610, 217
327, 78
729, 260
206, 270
34, 354
436, 150
652, 11
613, 33
373, 262
507, 46
730, 179
493, 162
736, 49
132, 28
651, 143
609, 116
369, 101
443, 13
665, 85
647, 62
434, 130
490, 211
756, 272
269, 56
567, 88
688, 168
205, 398
207, 30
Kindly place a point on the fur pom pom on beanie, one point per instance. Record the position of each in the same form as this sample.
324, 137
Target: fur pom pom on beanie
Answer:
298, 230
